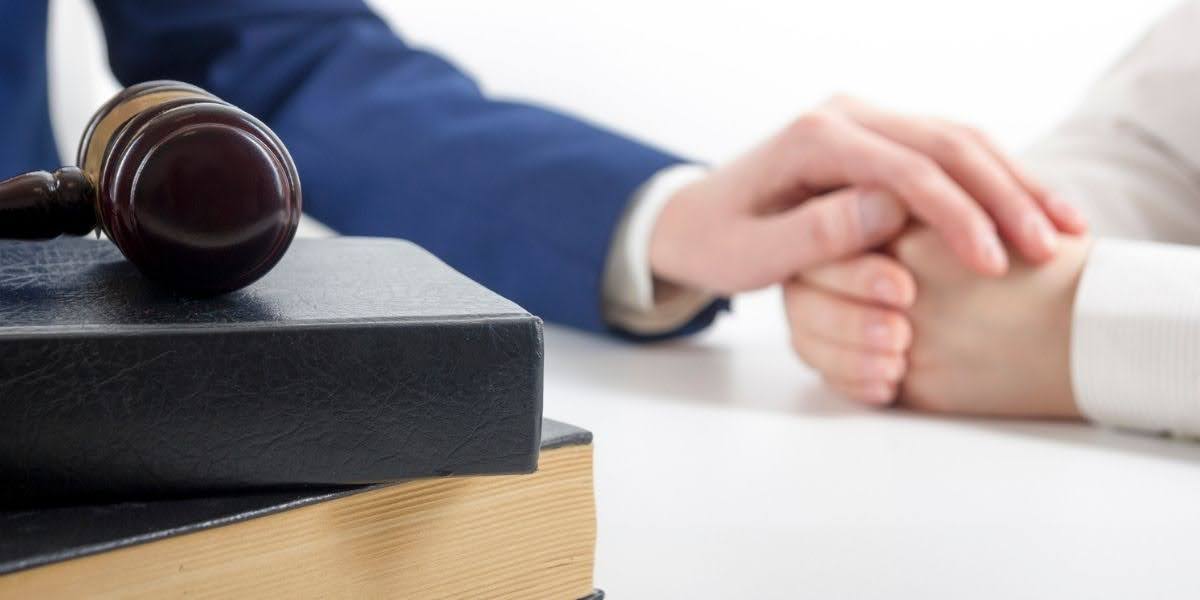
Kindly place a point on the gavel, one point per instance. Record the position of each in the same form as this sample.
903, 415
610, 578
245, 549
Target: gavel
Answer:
196, 193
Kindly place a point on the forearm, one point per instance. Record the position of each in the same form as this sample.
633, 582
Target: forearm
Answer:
1126, 184
1128, 154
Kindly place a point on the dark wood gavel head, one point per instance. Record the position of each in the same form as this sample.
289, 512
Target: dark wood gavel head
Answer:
196, 193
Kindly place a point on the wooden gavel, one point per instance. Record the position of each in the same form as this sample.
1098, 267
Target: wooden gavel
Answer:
196, 193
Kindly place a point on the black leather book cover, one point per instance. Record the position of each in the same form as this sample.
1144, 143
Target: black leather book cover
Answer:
355, 360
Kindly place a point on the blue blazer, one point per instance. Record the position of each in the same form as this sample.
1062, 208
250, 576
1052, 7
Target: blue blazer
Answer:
389, 140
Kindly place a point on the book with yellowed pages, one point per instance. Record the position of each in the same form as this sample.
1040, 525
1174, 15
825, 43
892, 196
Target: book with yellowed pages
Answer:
524, 536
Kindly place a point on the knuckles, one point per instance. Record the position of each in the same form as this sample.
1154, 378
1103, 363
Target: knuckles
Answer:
877, 267
973, 134
915, 172
917, 247
952, 145
799, 347
824, 231
816, 123
842, 101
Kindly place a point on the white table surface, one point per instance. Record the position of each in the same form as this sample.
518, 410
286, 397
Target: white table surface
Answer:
725, 470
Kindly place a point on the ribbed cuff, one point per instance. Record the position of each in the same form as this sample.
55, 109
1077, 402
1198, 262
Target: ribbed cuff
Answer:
1135, 342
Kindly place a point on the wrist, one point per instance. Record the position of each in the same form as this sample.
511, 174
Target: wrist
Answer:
682, 235
635, 299
672, 252
1067, 269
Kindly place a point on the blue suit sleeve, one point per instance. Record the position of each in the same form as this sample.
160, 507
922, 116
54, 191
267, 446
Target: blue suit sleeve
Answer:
394, 141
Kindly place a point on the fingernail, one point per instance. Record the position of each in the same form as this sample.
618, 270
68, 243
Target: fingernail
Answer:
1037, 228
886, 290
993, 253
1067, 210
880, 335
879, 213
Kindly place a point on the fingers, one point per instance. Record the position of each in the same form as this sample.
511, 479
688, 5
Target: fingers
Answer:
876, 393
1063, 213
922, 254
862, 157
824, 229
965, 152
852, 325
1020, 218
872, 278
981, 169
848, 364
1065, 216
857, 348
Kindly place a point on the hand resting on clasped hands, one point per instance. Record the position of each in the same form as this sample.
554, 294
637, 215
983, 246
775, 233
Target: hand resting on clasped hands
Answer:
805, 208
973, 344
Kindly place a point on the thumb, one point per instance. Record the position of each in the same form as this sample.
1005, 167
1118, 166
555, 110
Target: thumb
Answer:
826, 228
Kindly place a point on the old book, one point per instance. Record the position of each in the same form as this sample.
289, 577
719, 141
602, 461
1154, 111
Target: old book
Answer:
354, 361
507, 536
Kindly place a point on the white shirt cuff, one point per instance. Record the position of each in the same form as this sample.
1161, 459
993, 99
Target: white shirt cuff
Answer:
633, 299
1135, 341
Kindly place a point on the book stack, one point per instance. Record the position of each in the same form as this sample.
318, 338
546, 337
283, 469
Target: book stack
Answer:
362, 422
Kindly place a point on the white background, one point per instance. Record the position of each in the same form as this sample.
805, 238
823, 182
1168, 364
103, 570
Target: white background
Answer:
723, 468
708, 79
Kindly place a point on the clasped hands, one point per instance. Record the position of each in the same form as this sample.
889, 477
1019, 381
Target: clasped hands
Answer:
888, 234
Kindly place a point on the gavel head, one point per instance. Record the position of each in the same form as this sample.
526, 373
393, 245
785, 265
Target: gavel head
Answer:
195, 192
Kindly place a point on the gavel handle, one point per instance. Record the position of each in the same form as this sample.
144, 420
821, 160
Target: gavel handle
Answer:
42, 205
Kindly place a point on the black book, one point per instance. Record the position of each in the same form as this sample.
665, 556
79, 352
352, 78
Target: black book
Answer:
354, 361
521, 536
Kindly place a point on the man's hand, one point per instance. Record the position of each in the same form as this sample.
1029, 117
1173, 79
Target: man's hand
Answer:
767, 217
990, 346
